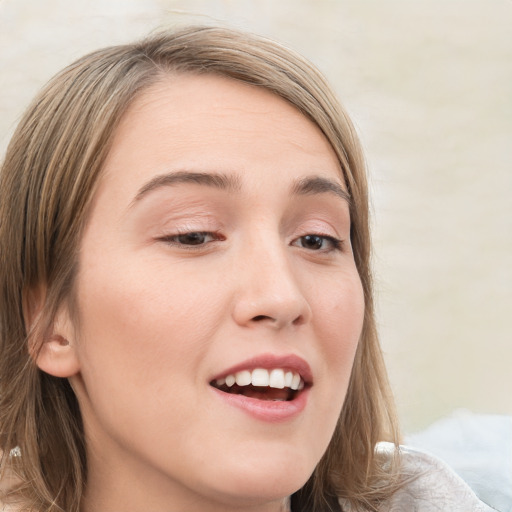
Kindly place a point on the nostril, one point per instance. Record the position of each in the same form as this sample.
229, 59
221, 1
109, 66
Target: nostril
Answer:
260, 318
275, 321
299, 320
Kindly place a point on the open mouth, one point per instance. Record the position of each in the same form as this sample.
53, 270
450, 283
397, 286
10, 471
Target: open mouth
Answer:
271, 385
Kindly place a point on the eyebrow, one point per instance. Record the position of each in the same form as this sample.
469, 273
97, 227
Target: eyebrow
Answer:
213, 180
309, 185
318, 185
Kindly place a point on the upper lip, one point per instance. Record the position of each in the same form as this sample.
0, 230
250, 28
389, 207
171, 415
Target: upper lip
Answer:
290, 362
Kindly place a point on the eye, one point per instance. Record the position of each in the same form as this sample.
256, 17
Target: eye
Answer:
193, 238
318, 243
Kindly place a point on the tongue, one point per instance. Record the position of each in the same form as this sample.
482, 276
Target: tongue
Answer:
264, 393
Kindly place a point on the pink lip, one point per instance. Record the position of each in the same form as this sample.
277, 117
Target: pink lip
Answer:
266, 410
272, 412
269, 361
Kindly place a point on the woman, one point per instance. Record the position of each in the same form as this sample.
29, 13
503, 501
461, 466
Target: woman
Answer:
186, 301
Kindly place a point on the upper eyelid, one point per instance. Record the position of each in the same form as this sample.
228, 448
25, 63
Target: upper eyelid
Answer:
326, 230
189, 232
179, 231
338, 243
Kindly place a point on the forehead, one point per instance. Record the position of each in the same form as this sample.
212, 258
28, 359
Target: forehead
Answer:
212, 123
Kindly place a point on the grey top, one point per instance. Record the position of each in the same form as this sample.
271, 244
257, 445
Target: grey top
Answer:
437, 487
479, 449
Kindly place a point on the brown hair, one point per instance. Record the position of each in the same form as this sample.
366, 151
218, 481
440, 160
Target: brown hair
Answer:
47, 182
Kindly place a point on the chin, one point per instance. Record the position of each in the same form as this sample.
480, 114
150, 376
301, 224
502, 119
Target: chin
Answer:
260, 483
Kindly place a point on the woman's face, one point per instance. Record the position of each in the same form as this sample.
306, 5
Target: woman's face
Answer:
217, 250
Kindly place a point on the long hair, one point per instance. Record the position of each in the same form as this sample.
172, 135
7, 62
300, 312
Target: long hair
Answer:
47, 182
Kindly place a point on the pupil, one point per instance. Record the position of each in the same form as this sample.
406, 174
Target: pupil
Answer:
191, 238
313, 241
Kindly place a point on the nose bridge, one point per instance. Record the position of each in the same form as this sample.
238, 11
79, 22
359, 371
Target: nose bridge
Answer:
268, 289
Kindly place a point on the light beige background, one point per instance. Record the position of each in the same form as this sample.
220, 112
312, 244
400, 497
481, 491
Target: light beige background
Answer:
428, 84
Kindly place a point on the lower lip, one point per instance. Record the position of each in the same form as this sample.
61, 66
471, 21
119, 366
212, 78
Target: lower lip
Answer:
266, 410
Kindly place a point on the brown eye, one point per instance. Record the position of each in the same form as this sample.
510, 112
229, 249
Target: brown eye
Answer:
318, 243
192, 238
314, 242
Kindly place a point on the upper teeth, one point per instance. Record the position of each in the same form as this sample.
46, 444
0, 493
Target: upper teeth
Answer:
276, 378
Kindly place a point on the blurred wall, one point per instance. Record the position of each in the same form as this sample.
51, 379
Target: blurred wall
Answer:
428, 84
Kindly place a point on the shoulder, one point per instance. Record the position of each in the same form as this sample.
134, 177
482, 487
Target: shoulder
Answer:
433, 486
429, 486
479, 449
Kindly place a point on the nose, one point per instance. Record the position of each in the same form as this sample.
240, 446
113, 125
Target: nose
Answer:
268, 292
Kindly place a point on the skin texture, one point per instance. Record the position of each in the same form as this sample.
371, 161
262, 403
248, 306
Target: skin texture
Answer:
159, 318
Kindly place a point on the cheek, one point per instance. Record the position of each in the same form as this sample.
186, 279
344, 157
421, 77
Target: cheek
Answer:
339, 320
341, 312
142, 329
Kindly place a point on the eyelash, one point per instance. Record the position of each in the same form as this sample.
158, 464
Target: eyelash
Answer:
173, 240
335, 243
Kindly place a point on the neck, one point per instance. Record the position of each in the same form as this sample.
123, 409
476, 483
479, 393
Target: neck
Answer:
114, 501
112, 487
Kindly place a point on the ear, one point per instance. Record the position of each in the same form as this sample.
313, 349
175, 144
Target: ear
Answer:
54, 351
57, 356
